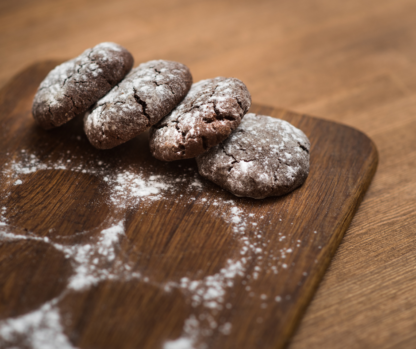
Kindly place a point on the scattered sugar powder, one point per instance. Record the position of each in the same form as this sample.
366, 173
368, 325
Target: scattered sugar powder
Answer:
180, 343
40, 329
211, 290
87, 259
129, 188
99, 259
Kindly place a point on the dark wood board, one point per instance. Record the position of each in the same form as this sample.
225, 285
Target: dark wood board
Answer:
256, 262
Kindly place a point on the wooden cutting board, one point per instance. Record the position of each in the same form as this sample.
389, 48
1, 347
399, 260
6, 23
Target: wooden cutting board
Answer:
115, 249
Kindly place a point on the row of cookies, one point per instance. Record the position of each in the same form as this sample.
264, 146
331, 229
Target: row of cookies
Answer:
185, 120
119, 102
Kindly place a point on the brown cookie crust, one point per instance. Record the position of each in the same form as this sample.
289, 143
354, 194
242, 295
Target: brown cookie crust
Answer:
74, 86
147, 94
209, 113
263, 157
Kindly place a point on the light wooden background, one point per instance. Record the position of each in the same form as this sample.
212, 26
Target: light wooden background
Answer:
349, 61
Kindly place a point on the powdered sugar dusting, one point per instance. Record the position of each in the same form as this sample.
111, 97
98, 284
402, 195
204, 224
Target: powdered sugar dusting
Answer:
131, 188
209, 105
180, 343
39, 329
100, 259
88, 259
57, 99
146, 94
211, 290
279, 165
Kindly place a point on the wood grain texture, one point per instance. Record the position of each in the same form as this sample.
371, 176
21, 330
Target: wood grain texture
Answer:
183, 235
346, 61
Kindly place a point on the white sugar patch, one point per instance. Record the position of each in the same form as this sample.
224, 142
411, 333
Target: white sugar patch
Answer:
2, 218
235, 215
211, 290
130, 188
226, 328
108, 238
88, 259
40, 329
180, 343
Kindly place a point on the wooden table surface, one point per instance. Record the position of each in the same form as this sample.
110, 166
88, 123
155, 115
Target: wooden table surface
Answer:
347, 61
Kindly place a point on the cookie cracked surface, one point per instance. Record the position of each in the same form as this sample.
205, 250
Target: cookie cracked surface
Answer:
263, 157
209, 113
147, 94
74, 86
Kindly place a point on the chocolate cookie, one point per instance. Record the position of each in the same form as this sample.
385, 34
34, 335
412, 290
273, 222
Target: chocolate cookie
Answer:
208, 114
263, 157
144, 97
74, 86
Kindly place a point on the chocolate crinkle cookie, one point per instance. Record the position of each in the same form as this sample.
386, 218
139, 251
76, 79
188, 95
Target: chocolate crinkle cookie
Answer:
209, 113
74, 86
144, 97
263, 157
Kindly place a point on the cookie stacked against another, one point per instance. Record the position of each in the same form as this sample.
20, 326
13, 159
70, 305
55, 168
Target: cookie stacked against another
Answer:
74, 86
249, 155
209, 113
147, 94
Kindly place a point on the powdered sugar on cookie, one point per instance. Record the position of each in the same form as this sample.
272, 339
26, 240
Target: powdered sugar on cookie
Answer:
72, 87
263, 157
147, 94
210, 112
